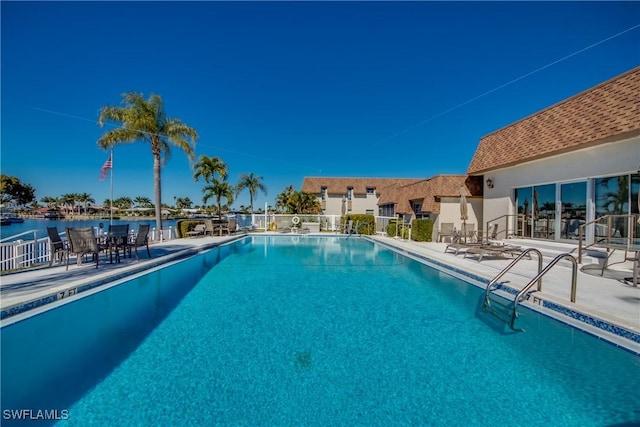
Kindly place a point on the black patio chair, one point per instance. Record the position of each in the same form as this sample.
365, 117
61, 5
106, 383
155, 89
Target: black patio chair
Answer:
58, 246
83, 242
141, 239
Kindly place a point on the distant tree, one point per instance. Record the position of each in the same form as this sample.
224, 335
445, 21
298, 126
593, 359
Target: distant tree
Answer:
69, 201
13, 190
123, 203
51, 202
253, 183
85, 199
145, 120
291, 201
183, 203
143, 202
282, 199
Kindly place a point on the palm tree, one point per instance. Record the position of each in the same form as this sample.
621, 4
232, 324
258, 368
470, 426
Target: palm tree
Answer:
85, 199
208, 167
183, 203
218, 189
253, 183
51, 202
145, 120
143, 202
69, 200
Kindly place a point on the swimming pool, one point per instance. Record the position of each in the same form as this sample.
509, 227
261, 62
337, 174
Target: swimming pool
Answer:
308, 331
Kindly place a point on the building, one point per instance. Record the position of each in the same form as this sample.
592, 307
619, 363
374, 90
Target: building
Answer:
567, 165
438, 199
340, 196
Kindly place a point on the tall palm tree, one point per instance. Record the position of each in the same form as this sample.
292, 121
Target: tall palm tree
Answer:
208, 167
253, 183
218, 189
145, 120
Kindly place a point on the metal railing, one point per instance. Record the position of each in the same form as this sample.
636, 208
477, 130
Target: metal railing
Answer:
516, 231
610, 231
512, 313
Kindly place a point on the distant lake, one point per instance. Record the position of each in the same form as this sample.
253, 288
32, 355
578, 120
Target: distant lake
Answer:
40, 225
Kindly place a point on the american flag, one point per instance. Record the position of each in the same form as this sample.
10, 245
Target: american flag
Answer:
107, 165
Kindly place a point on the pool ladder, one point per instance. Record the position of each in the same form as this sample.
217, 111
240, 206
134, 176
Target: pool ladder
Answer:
507, 310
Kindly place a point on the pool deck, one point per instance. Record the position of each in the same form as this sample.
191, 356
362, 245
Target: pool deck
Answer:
605, 298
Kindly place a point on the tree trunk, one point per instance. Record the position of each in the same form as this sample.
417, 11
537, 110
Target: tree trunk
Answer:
157, 191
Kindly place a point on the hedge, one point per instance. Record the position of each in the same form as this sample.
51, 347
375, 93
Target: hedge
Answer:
366, 224
421, 230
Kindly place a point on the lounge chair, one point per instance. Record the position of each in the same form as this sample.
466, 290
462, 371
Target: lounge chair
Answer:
58, 246
492, 249
197, 231
83, 242
141, 239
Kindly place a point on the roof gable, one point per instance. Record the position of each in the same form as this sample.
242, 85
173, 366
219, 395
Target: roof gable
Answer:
606, 113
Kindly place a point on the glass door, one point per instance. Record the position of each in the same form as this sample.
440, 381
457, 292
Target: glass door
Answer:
573, 209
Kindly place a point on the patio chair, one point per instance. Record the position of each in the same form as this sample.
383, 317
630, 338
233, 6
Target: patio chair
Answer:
83, 242
446, 231
141, 239
228, 227
58, 246
210, 227
118, 237
197, 231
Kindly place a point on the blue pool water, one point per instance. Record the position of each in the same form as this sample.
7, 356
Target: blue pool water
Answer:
309, 331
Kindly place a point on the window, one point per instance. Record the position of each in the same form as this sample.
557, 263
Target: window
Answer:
369, 211
371, 190
416, 207
323, 192
349, 193
573, 208
387, 210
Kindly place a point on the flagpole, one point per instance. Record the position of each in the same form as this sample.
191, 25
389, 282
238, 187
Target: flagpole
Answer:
111, 198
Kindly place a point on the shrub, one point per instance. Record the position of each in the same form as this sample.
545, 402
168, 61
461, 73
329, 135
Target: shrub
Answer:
402, 232
184, 225
421, 230
366, 224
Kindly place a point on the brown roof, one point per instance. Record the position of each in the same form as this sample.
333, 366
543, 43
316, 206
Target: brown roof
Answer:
429, 192
605, 113
360, 185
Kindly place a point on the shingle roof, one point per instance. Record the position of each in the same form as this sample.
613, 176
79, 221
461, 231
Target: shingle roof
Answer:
429, 192
360, 185
605, 113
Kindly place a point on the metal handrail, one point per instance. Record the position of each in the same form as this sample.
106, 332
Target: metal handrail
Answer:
514, 262
506, 222
539, 277
608, 218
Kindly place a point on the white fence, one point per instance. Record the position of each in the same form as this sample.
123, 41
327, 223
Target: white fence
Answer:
16, 253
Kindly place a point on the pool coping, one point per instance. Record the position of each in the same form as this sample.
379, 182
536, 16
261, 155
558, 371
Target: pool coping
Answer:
75, 288
605, 330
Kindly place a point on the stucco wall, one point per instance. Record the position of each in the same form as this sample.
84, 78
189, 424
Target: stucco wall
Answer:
450, 212
603, 160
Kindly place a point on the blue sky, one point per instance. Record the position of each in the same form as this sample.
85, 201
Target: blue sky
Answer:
291, 89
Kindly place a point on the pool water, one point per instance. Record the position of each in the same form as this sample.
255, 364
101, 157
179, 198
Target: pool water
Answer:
309, 331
